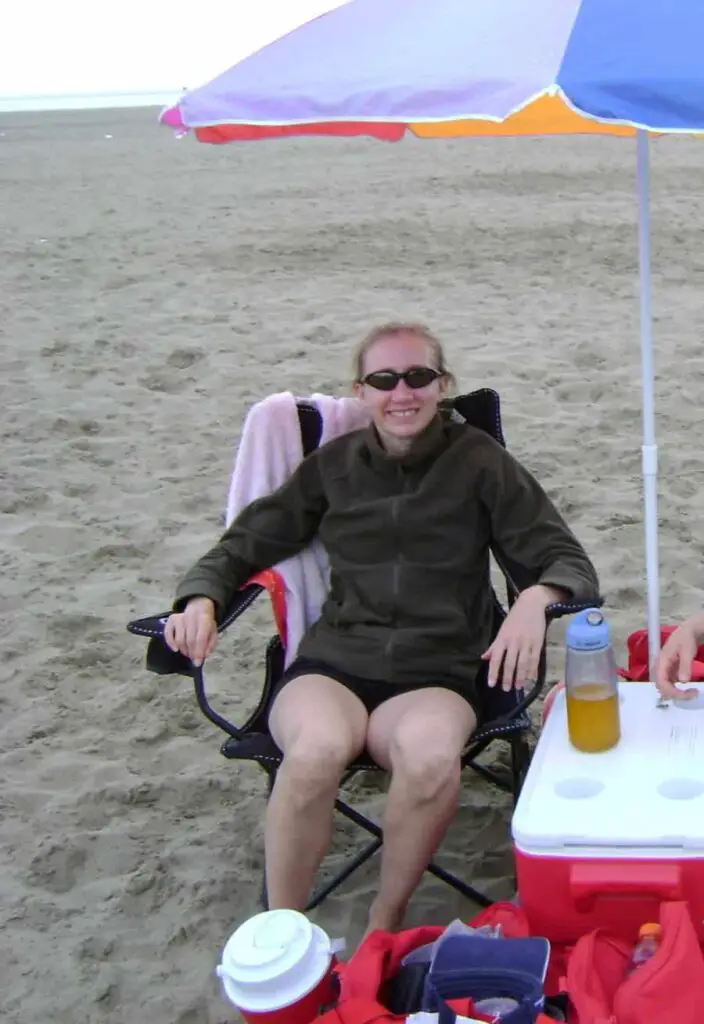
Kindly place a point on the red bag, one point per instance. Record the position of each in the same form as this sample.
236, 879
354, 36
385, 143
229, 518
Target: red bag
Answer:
379, 958
639, 668
668, 989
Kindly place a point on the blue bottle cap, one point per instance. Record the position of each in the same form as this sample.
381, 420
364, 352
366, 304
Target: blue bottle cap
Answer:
588, 631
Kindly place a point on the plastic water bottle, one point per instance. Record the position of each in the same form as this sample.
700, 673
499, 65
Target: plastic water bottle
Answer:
647, 946
591, 684
497, 1006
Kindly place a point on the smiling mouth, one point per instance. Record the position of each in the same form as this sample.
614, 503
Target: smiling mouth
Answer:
402, 413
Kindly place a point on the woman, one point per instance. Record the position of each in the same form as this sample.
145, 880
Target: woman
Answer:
674, 663
406, 510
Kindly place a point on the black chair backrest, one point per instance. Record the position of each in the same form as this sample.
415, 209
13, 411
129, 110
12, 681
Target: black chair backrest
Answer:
482, 409
311, 426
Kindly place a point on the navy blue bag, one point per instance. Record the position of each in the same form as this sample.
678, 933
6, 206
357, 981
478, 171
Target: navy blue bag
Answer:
478, 968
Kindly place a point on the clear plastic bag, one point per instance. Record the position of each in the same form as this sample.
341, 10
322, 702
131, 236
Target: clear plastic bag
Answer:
426, 954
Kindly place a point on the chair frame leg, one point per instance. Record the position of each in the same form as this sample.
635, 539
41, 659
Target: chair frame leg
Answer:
350, 867
360, 858
264, 895
521, 755
464, 888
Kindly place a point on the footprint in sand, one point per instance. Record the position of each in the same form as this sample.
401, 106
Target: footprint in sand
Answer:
119, 554
23, 501
62, 628
52, 539
149, 887
95, 948
182, 358
57, 868
71, 428
162, 382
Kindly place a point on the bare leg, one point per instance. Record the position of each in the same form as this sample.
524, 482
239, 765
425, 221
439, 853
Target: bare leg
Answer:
320, 726
419, 737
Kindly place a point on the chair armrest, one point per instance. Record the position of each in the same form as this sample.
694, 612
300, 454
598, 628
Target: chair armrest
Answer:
160, 658
240, 603
562, 608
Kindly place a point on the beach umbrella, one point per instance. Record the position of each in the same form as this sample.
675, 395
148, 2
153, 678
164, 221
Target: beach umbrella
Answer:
448, 68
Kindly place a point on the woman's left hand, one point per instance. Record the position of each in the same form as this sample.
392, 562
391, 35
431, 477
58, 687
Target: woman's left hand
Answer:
520, 640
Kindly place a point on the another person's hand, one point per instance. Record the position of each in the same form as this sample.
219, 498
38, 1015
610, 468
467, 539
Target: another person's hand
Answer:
520, 640
674, 663
194, 631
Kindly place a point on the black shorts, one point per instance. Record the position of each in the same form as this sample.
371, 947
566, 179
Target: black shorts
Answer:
373, 692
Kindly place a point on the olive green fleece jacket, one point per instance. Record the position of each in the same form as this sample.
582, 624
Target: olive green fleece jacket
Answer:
408, 539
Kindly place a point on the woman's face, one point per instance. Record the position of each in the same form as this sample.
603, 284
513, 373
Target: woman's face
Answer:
403, 412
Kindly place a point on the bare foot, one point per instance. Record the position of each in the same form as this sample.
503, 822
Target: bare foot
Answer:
387, 919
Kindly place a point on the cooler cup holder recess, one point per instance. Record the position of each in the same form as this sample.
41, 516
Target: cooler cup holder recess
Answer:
578, 789
681, 789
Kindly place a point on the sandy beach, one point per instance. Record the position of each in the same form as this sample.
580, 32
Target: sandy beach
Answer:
151, 289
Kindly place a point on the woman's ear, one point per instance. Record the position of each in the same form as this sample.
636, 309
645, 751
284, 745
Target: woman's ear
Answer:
357, 389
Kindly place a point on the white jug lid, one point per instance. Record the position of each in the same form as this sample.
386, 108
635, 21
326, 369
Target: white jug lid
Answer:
273, 959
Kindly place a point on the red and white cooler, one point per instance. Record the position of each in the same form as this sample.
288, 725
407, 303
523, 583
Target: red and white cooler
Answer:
600, 840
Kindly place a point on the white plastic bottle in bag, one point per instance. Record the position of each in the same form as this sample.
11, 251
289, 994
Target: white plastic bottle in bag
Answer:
498, 1006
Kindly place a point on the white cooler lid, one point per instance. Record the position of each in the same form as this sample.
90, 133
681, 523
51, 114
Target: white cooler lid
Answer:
645, 794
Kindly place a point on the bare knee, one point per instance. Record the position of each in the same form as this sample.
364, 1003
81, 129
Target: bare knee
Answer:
314, 765
428, 765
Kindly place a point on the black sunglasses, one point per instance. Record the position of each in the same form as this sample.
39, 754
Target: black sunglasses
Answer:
415, 377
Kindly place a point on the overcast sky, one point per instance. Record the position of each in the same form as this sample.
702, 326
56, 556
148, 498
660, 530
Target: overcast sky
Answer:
59, 47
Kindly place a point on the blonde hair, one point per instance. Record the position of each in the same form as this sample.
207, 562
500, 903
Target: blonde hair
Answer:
393, 329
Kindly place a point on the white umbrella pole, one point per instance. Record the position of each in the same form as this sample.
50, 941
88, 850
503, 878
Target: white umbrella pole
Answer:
650, 448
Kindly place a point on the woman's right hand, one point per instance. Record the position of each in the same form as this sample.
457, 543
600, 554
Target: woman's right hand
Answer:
194, 631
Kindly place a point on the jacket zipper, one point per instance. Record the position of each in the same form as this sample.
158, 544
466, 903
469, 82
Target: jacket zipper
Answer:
395, 578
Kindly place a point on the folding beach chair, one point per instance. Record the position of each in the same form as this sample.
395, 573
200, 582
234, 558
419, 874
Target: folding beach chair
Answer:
506, 717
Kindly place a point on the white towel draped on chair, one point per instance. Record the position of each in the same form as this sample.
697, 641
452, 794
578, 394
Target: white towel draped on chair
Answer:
269, 451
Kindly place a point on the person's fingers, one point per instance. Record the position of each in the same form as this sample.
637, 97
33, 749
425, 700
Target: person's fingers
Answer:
687, 654
212, 640
527, 671
200, 640
536, 652
179, 634
674, 665
523, 663
207, 637
509, 671
169, 633
522, 656
194, 635
184, 635
498, 649
666, 666
189, 630
669, 691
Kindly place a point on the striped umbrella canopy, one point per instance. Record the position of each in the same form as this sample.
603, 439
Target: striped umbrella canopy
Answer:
449, 68
463, 67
